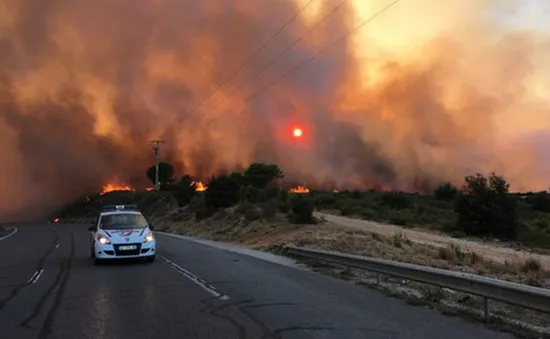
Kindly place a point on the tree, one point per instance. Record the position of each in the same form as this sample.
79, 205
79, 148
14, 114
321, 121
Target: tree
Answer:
445, 191
183, 190
540, 201
261, 175
485, 207
223, 191
166, 173
302, 210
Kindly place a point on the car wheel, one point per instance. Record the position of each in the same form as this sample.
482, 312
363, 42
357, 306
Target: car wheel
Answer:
92, 253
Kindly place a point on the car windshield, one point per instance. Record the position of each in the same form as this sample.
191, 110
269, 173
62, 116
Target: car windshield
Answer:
123, 220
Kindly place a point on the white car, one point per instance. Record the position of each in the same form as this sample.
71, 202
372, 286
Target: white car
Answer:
121, 232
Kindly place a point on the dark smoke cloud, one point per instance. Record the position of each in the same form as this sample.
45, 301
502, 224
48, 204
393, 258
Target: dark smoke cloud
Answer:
86, 85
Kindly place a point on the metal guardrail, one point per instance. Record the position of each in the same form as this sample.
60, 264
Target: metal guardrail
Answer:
517, 294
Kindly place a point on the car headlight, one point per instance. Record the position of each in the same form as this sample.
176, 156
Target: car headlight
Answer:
149, 237
103, 240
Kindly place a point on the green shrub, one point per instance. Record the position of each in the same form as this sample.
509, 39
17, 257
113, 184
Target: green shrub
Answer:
445, 191
284, 207
198, 205
254, 195
350, 208
540, 202
325, 201
485, 207
395, 200
251, 212
269, 210
223, 191
302, 209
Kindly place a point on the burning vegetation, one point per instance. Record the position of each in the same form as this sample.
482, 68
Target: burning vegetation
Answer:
404, 108
299, 190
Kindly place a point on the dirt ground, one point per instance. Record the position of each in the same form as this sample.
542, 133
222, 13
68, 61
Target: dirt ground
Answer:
494, 251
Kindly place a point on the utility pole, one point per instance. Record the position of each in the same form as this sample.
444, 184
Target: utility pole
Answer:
156, 148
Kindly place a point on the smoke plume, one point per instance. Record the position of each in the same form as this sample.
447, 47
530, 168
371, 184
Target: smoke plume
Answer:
428, 91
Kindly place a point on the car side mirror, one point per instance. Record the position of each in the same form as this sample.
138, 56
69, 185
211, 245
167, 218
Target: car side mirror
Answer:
91, 228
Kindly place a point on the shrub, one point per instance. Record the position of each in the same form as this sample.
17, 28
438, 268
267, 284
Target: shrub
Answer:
284, 207
253, 195
260, 175
540, 202
350, 208
485, 207
283, 196
269, 210
302, 210
355, 194
223, 191
272, 192
182, 190
251, 212
325, 201
198, 205
445, 191
395, 200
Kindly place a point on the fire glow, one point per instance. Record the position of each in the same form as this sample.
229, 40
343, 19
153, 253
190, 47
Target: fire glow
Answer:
199, 186
299, 190
114, 188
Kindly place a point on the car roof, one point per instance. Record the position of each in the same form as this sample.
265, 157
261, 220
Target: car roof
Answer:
120, 212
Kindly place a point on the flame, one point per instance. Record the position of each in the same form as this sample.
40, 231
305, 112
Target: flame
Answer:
148, 189
335, 191
297, 132
299, 189
199, 186
56, 220
114, 188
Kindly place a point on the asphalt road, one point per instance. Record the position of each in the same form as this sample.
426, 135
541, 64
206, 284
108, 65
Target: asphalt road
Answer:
49, 288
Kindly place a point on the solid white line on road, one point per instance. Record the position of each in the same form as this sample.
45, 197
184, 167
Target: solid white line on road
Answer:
9, 234
198, 281
56, 246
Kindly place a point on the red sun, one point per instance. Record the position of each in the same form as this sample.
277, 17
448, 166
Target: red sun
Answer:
297, 132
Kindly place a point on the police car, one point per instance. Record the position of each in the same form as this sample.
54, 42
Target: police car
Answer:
120, 232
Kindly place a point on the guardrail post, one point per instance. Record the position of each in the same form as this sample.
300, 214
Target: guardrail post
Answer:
486, 309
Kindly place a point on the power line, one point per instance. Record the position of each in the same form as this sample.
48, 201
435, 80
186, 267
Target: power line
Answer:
323, 50
294, 43
250, 58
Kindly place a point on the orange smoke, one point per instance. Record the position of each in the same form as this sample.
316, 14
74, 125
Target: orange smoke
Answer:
114, 188
299, 190
429, 91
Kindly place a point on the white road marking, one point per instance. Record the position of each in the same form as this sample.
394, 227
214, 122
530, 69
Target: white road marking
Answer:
198, 281
37, 276
32, 277
9, 234
56, 246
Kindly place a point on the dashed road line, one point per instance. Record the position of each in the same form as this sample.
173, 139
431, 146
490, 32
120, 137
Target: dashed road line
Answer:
35, 276
195, 279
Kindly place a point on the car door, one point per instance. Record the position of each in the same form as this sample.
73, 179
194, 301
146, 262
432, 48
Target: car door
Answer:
93, 231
